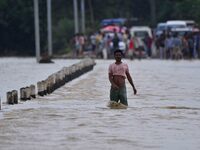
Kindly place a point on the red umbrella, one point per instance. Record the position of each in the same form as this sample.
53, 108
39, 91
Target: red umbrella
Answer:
110, 29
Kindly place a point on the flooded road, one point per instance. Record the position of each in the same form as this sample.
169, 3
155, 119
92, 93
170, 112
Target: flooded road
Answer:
165, 115
18, 72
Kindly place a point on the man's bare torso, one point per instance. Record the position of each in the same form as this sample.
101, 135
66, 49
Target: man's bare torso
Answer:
119, 80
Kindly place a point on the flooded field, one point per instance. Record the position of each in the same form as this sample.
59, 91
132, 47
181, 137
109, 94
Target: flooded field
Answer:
164, 115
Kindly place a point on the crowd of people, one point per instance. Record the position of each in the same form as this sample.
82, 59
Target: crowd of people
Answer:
168, 45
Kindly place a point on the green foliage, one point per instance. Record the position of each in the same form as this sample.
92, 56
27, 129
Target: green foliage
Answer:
62, 32
188, 10
16, 26
179, 9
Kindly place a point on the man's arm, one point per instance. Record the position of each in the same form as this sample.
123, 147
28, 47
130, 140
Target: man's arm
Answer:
131, 82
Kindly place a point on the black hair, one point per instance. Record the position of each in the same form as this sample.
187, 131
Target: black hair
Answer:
118, 50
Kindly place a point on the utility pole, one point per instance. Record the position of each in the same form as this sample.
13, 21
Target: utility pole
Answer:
153, 11
91, 13
49, 28
37, 30
83, 16
76, 16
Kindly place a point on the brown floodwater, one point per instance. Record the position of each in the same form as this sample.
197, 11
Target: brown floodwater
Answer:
164, 115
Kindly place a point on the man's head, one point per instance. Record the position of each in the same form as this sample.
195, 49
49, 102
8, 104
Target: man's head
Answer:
118, 55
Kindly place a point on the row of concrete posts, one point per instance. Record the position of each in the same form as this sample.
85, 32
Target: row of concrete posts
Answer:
50, 84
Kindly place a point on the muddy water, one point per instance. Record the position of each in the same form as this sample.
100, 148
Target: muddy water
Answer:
16, 73
164, 115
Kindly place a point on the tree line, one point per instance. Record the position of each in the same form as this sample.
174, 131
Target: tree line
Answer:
17, 35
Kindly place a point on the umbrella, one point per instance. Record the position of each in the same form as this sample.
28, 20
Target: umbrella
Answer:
111, 29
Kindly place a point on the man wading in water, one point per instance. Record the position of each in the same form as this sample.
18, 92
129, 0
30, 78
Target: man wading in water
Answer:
118, 72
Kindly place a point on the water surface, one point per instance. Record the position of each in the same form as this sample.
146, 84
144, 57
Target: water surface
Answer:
164, 115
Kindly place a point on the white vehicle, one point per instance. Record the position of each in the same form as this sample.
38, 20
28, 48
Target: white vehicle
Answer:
190, 23
161, 27
141, 31
176, 24
181, 31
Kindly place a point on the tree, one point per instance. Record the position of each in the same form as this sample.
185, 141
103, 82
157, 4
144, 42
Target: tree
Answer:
17, 19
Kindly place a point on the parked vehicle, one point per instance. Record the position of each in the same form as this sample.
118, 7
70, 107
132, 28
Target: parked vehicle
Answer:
181, 31
113, 21
161, 27
127, 22
175, 24
190, 23
141, 31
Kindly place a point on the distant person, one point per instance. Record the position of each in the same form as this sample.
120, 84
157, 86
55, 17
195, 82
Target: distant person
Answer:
168, 46
118, 71
148, 42
82, 41
161, 45
77, 45
190, 45
177, 47
93, 42
198, 44
108, 46
131, 48
115, 41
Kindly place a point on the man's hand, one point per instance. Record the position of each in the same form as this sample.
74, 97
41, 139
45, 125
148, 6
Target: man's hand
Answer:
115, 86
135, 91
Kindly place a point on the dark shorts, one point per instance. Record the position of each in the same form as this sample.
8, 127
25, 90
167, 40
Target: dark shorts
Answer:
119, 95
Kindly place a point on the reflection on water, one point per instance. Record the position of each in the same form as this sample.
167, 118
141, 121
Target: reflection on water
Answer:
164, 114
